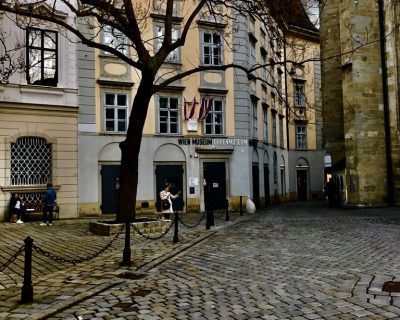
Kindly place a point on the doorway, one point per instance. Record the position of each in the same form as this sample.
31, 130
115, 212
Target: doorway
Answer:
302, 185
171, 175
256, 185
215, 184
109, 188
266, 186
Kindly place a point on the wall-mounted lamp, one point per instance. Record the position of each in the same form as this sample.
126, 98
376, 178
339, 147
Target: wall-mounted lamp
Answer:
196, 155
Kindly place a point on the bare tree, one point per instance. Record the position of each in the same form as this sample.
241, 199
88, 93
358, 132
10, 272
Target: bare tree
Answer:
132, 20
11, 60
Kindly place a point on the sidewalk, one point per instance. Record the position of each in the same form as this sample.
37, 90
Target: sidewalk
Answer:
57, 286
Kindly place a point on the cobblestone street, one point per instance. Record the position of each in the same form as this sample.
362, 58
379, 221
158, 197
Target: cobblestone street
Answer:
294, 261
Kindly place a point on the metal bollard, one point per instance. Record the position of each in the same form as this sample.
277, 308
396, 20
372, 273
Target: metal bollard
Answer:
126, 257
208, 220
212, 221
226, 210
27, 289
176, 221
241, 207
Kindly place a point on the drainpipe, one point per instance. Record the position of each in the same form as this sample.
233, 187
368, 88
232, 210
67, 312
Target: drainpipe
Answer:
389, 167
286, 95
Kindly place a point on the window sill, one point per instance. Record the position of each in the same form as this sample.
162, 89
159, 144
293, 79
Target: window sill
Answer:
30, 88
111, 133
27, 188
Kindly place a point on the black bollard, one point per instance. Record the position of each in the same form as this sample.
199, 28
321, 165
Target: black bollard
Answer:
126, 258
226, 210
27, 289
212, 222
208, 220
176, 221
241, 207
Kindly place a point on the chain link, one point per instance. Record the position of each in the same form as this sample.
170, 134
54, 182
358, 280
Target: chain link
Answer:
220, 215
146, 236
12, 258
78, 260
192, 226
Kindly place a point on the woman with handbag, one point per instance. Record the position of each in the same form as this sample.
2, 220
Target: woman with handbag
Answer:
166, 203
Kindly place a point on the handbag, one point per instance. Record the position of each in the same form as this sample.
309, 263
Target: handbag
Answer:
165, 204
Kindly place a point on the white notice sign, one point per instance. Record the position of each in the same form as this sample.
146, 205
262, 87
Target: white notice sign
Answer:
193, 182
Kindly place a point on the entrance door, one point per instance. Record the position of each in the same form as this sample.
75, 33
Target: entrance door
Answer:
256, 185
302, 185
215, 187
171, 175
109, 188
266, 186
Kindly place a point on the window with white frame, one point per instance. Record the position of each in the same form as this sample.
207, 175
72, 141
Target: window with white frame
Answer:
168, 115
212, 48
255, 119
272, 79
264, 67
30, 161
265, 124
214, 121
253, 58
279, 82
299, 97
41, 50
281, 140
160, 31
301, 137
115, 112
273, 120
115, 39
160, 6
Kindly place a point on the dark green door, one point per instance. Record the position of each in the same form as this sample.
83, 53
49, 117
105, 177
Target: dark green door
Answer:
171, 175
302, 185
256, 185
109, 188
215, 187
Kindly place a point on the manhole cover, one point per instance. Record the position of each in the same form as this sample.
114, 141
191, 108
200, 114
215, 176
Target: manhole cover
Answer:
131, 275
391, 286
142, 292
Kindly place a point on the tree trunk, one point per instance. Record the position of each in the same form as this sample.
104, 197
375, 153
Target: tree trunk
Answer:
126, 211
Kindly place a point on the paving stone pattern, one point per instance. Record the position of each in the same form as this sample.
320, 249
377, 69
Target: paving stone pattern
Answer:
295, 261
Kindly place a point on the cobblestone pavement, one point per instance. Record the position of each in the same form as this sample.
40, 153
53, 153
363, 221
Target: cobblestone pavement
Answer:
294, 261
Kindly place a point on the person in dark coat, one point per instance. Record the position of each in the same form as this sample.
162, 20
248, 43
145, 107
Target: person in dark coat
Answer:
49, 202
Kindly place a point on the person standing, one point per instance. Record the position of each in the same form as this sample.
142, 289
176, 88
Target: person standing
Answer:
166, 196
49, 202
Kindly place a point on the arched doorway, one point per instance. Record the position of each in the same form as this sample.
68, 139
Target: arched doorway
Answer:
169, 163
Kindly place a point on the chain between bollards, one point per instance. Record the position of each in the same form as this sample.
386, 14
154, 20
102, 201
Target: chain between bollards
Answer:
27, 289
176, 222
126, 258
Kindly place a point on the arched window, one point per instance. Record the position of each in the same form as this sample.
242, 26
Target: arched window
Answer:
30, 161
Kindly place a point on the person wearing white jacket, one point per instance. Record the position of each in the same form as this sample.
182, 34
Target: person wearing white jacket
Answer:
166, 202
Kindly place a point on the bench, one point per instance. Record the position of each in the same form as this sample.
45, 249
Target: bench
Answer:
35, 207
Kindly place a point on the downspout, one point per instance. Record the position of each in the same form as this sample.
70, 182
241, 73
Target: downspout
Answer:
286, 95
389, 165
